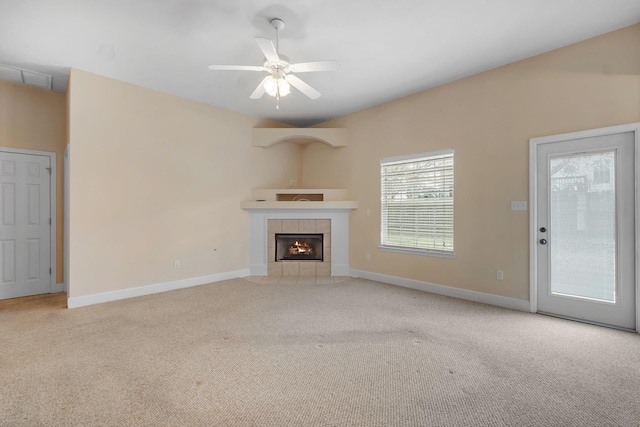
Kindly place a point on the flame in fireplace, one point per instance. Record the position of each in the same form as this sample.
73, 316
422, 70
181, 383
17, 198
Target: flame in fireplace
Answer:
300, 248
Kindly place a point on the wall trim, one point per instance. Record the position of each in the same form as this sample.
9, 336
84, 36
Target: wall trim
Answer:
450, 291
153, 289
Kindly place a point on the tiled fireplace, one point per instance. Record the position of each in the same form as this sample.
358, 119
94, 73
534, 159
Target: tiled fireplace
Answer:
328, 216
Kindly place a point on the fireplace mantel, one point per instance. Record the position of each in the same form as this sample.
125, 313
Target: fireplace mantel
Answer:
344, 204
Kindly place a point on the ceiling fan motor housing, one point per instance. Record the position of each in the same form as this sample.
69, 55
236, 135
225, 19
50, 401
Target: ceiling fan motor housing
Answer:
283, 65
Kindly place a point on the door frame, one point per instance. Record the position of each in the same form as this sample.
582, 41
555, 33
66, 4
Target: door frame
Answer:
65, 220
52, 206
533, 202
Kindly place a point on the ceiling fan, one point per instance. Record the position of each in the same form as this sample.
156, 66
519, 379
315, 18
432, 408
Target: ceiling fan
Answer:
280, 79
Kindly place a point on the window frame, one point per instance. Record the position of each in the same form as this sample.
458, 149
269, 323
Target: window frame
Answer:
442, 253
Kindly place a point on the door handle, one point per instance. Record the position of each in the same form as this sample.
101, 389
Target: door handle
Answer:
543, 241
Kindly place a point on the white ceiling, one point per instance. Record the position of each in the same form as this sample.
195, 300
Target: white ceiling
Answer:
386, 48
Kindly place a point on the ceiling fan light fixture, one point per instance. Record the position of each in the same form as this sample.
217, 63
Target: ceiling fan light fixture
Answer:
277, 86
285, 87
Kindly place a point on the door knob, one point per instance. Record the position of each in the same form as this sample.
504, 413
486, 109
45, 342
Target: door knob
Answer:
543, 241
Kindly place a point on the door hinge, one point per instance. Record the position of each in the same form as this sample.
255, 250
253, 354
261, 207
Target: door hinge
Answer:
49, 169
50, 270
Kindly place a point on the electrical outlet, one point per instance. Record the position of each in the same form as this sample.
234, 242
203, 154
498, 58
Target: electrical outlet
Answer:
500, 275
176, 264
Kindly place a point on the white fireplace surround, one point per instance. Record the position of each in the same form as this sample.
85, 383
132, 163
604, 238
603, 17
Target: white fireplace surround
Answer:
332, 204
339, 236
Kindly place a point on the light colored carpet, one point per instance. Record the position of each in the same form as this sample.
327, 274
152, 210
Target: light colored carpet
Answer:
356, 353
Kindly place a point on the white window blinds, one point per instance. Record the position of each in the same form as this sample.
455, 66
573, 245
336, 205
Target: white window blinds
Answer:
417, 202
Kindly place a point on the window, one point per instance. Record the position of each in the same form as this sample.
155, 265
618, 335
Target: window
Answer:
417, 203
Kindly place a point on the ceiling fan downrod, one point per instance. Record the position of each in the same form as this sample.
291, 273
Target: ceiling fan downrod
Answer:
277, 24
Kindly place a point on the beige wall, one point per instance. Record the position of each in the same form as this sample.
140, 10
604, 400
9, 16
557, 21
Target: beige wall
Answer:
33, 118
157, 178
487, 119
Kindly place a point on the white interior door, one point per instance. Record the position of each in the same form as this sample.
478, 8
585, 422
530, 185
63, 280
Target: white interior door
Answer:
25, 233
585, 232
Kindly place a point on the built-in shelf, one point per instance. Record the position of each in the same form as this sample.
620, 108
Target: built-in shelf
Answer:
299, 198
266, 137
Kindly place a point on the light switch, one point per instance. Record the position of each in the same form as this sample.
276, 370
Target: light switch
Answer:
518, 205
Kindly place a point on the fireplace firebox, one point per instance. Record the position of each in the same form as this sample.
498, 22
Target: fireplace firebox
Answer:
299, 247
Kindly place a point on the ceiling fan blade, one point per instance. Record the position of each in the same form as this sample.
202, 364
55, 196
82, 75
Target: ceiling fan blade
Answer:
236, 68
269, 50
306, 67
259, 92
302, 86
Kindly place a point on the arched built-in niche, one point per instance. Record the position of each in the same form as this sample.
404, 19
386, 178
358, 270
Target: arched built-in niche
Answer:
267, 137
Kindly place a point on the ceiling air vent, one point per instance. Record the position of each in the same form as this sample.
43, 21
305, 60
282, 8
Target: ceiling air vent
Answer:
28, 77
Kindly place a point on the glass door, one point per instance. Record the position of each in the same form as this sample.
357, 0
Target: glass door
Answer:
586, 236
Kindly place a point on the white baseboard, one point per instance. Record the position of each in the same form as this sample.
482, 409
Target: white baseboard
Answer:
500, 301
152, 289
512, 303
